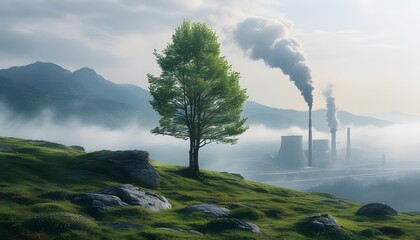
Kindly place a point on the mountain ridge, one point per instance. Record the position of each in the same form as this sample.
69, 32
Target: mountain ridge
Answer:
27, 90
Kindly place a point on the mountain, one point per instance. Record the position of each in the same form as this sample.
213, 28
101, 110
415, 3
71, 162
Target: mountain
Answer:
28, 90
397, 117
284, 118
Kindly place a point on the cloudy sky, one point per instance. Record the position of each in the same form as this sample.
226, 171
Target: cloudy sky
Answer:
368, 49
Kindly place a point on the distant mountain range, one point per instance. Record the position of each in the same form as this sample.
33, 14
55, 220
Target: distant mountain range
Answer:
397, 117
28, 90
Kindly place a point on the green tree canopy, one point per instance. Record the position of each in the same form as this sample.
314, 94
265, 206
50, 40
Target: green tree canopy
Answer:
197, 94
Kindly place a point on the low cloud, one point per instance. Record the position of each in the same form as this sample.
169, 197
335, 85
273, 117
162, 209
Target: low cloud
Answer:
399, 141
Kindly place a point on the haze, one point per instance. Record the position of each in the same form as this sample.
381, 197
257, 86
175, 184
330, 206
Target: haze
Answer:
366, 48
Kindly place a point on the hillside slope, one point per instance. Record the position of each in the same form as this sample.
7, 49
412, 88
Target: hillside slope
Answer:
37, 177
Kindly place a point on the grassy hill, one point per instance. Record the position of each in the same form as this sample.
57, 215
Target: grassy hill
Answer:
36, 178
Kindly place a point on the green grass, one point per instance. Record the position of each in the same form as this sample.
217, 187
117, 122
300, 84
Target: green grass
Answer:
37, 178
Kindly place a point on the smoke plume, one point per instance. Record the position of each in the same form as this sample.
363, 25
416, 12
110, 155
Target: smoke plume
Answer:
266, 39
331, 108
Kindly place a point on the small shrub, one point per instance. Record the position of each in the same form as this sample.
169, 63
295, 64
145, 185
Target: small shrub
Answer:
79, 148
247, 213
276, 213
149, 236
369, 232
57, 196
47, 207
390, 230
59, 222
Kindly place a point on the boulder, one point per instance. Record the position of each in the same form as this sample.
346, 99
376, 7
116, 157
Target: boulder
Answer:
134, 164
210, 209
5, 148
99, 201
180, 230
123, 195
319, 222
222, 224
136, 196
376, 209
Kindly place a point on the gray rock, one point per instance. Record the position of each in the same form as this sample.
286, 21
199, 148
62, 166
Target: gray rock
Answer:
320, 222
123, 195
210, 209
5, 148
175, 229
376, 209
134, 164
99, 201
135, 196
222, 224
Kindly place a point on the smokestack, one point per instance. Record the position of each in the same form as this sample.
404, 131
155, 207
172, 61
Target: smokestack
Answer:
291, 154
333, 145
310, 139
348, 152
331, 118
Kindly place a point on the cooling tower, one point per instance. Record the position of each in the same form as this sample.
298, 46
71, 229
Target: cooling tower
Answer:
333, 145
291, 154
320, 150
348, 152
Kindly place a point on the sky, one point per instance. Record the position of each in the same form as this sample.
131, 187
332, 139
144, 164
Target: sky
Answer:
367, 49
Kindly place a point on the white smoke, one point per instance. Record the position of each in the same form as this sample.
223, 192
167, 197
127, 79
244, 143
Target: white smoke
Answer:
268, 40
331, 108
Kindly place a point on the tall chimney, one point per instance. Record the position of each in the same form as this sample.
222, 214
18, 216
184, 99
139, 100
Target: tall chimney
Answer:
348, 152
291, 154
333, 144
310, 139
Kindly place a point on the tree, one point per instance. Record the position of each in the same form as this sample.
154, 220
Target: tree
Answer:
197, 93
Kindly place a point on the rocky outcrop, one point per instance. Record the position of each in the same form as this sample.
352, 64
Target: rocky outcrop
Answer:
5, 148
123, 195
222, 224
209, 209
99, 201
318, 222
133, 164
376, 209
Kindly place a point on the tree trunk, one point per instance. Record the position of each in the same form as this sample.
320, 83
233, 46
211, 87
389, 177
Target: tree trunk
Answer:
196, 166
191, 156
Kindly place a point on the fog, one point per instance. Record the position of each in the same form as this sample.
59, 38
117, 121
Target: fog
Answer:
402, 193
253, 155
399, 141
